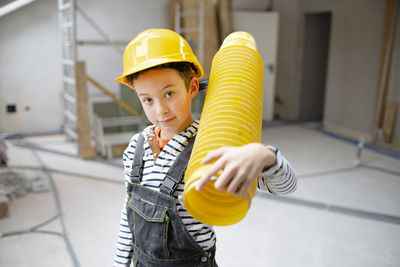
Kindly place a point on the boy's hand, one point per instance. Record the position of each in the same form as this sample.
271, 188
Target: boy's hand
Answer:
239, 166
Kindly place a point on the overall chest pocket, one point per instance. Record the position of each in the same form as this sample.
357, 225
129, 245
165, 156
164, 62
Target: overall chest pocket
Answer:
149, 224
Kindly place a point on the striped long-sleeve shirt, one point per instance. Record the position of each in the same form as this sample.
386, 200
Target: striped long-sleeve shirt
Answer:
278, 179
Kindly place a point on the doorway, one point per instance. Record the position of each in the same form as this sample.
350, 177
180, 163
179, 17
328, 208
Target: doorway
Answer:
315, 62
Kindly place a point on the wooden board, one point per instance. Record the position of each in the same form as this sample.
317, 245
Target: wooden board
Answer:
86, 150
381, 92
211, 37
3, 205
171, 16
389, 120
224, 19
398, 142
191, 22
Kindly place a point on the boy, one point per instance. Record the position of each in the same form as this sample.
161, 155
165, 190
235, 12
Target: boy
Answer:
156, 229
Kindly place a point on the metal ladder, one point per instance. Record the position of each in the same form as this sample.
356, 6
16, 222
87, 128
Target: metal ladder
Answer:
200, 30
67, 25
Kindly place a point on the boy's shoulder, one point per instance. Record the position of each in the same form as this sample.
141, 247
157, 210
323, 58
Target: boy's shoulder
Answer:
148, 131
130, 149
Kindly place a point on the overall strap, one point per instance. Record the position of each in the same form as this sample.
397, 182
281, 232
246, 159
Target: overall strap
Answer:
137, 165
176, 172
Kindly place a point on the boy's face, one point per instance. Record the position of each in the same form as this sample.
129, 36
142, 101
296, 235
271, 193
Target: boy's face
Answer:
165, 99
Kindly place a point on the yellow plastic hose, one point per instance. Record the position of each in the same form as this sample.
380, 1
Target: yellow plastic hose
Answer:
232, 116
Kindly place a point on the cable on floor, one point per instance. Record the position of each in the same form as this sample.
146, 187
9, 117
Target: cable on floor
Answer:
74, 174
333, 208
59, 209
25, 144
33, 229
348, 169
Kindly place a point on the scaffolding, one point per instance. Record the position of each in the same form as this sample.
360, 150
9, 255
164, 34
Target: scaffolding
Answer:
67, 25
199, 29
194, 19
75, 98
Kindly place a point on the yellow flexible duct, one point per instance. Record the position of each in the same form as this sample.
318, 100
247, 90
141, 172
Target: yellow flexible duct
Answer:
232, 116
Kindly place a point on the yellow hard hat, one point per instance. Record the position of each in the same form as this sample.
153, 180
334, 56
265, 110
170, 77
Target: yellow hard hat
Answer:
154, 47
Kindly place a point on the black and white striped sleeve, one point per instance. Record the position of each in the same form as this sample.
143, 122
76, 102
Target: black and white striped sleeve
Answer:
124, 250
279, 178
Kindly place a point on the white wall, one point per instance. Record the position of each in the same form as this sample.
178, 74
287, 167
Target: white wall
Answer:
353, 64
287, 88
354, 58
30, 68
122, 21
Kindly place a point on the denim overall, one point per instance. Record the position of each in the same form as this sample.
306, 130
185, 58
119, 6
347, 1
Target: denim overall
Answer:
159, 236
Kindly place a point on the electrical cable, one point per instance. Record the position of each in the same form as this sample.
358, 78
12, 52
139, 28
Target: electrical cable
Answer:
348, 169
319, 128
334, 208
48, 171
34, 134
376, 149
375, 168
73, 174
324, 173
59, 209
25, 144
32, 229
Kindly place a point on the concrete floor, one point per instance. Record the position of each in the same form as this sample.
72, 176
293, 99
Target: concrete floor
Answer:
339, 216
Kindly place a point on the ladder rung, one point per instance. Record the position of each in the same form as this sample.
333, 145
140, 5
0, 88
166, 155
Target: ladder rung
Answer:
65, 6
66, 24
70, 115
70, 132
71, 125
69, 98
184, 30
68, 43
69, 80
68, 62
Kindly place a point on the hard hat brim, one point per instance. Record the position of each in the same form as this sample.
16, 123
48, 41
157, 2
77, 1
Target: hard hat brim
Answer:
154, 63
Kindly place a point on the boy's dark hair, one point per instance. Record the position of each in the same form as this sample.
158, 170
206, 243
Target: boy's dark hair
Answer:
185, 69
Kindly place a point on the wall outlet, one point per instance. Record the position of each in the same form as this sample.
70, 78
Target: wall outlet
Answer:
11, 108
